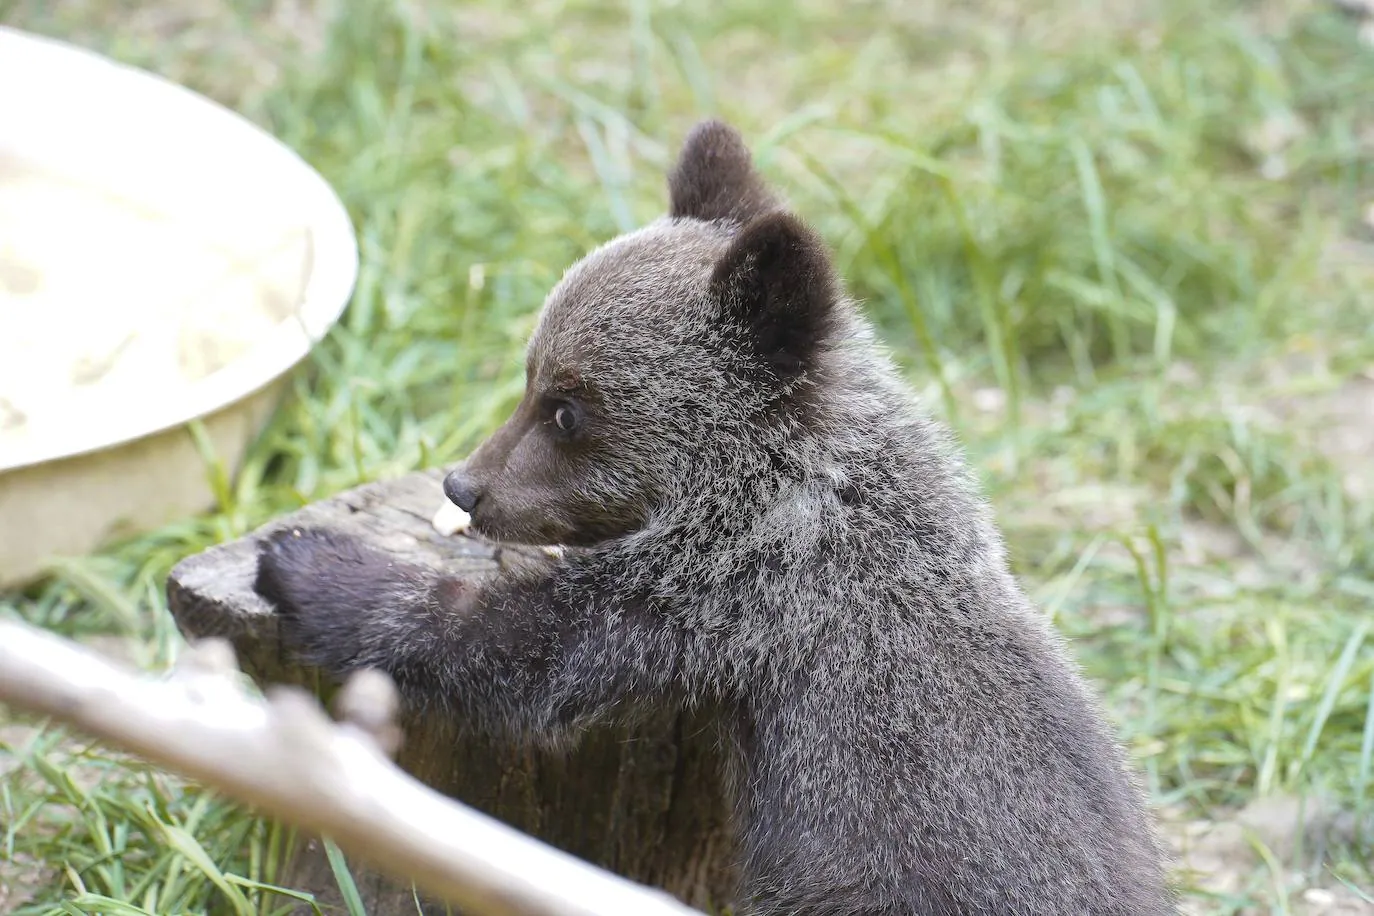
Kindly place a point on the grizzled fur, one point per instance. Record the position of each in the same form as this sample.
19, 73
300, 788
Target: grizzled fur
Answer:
760, 523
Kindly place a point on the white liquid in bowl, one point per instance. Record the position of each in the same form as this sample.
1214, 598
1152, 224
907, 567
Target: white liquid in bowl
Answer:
106, 305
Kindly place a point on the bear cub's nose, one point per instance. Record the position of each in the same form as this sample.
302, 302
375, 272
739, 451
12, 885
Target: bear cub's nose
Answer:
462, 490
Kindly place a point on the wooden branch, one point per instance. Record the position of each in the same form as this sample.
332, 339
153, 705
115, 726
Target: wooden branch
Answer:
285, 756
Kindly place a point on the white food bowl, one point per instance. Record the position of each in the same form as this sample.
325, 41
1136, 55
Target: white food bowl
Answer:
162, 260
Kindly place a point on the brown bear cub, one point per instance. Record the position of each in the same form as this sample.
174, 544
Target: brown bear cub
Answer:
757, 519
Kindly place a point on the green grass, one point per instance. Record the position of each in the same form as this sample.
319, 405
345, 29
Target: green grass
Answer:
1061, 223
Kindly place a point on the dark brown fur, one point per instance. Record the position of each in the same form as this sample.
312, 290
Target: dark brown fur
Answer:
761, 523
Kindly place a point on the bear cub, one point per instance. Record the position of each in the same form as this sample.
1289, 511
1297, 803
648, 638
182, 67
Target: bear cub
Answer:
756, 520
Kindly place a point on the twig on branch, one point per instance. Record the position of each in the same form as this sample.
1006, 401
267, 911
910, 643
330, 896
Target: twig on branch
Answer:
286, 757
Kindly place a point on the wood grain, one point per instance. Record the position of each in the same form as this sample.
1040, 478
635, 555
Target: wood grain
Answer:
645, 803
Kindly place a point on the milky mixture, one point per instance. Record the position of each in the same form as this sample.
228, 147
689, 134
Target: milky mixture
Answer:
105, 307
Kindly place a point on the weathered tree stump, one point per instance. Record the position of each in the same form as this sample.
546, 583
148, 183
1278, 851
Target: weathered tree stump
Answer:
645, 802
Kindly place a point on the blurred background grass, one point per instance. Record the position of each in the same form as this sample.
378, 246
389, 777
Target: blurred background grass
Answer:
1120, 247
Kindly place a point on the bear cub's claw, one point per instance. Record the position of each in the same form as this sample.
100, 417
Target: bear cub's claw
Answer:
324, 586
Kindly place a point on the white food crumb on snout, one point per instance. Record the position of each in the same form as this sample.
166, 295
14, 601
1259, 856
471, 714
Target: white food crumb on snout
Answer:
450, 519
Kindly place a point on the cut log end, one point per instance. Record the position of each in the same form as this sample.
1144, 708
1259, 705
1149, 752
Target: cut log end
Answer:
645, 803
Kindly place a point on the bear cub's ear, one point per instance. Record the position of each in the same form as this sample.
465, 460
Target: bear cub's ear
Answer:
715, 179
776, 281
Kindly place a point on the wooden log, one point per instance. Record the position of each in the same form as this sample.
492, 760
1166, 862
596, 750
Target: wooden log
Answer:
645, 802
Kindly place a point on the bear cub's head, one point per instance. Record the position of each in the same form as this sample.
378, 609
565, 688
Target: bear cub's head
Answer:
663, 363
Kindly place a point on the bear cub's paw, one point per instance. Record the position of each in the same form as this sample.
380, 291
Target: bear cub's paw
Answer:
326, 588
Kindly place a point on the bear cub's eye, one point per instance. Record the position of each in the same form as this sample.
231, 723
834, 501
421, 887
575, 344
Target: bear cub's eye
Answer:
565, 418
